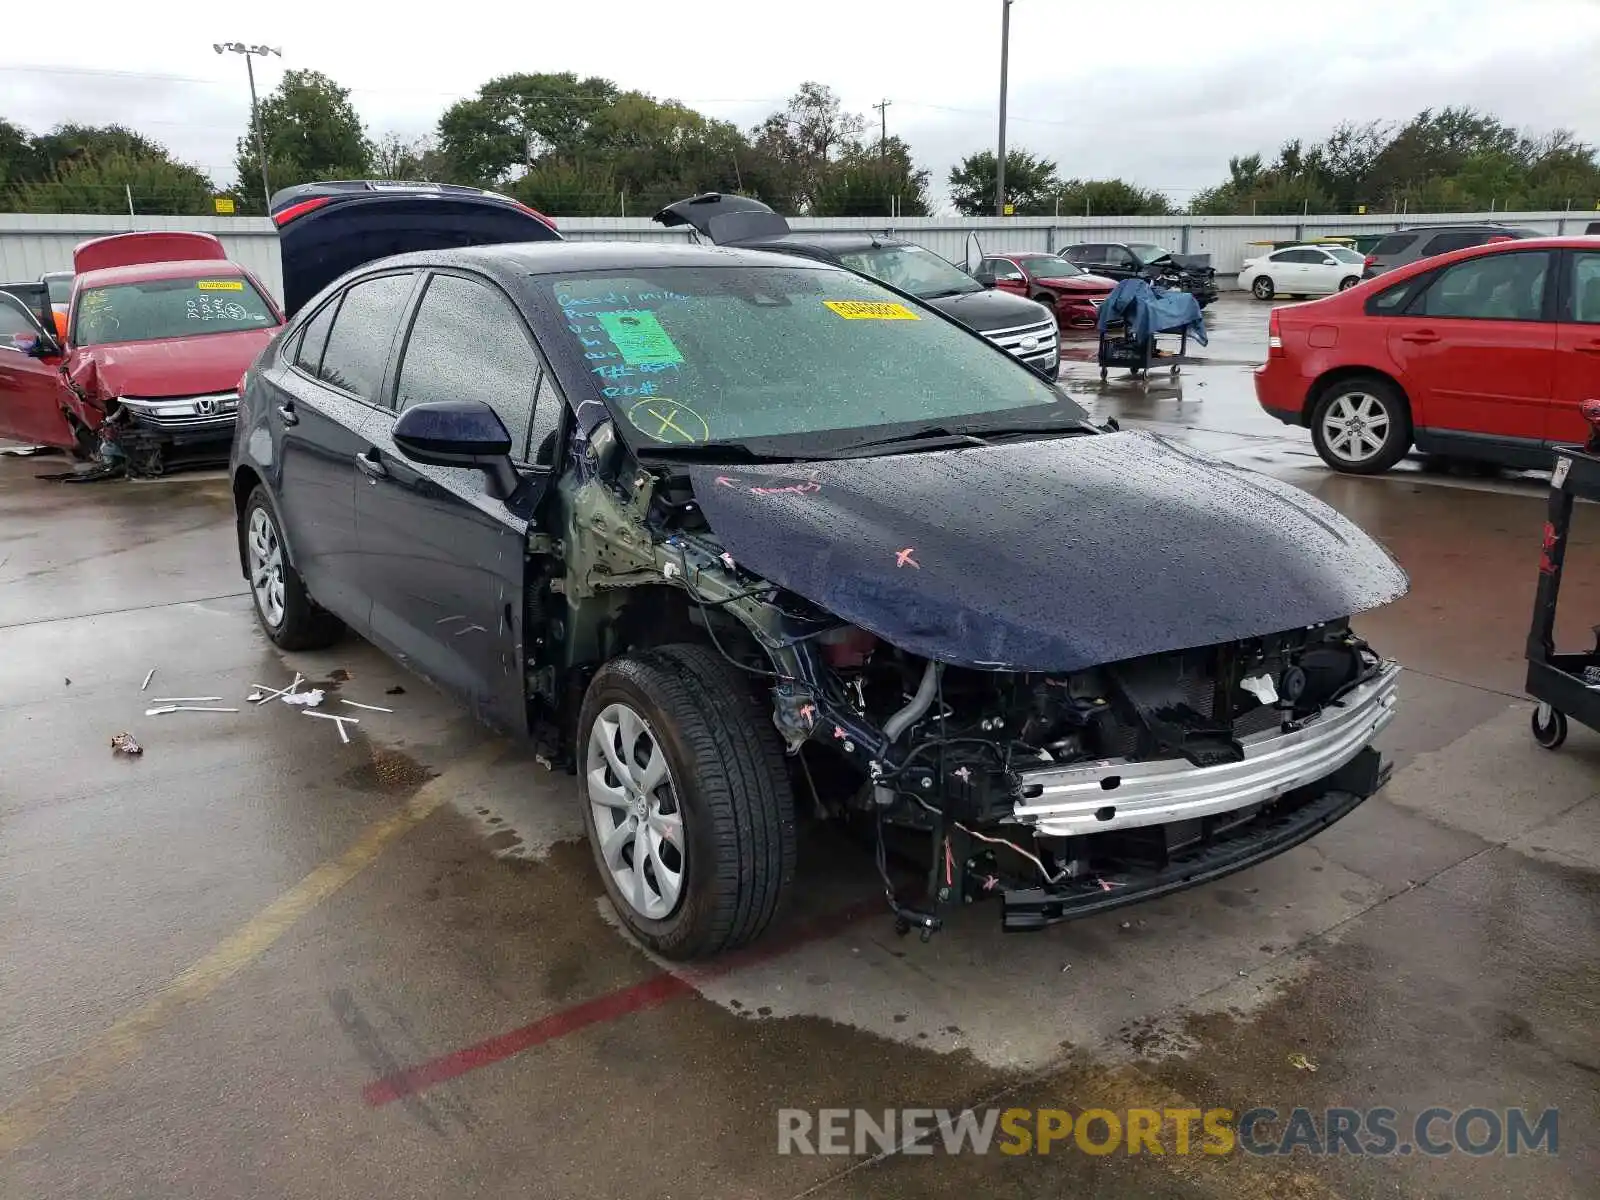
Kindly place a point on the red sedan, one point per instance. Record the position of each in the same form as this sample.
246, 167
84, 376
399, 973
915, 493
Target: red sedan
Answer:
1072, 293
1484, 353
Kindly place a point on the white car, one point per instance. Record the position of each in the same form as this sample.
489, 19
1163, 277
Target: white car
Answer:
1302, 271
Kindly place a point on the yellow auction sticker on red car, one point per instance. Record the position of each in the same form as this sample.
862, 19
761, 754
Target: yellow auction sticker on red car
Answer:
220, 285
871, 310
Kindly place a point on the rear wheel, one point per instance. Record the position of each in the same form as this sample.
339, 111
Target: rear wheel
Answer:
1549, 726
287, 613
1362, 426
686, 799
1262, 288
1348, 282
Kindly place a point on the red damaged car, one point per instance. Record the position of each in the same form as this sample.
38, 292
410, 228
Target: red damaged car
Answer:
1073, 294
159, 330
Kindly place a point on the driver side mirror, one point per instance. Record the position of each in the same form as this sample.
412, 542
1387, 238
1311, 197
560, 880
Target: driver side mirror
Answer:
984, 277
459, 433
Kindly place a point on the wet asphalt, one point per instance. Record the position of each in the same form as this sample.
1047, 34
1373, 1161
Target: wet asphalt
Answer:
225, 960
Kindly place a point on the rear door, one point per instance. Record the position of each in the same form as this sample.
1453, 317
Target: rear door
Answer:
446, 560
1476, 354
326, 397
1577, 347
31, 390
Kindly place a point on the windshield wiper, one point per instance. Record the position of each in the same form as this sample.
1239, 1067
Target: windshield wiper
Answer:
711, 452
929, 437
955, 291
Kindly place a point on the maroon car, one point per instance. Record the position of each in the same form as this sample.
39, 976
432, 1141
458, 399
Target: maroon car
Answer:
1069, 291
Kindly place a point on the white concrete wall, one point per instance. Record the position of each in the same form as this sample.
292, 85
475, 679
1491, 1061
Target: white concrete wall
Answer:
31, 244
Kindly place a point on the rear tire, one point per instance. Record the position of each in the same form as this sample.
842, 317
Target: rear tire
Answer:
686, 799
1348, 282
1262, 288
1549, 726
285, 610
1362, 426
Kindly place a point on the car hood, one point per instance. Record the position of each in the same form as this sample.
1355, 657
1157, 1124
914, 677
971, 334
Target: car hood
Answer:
990, 309
1078, 283
190, 366
1049, 555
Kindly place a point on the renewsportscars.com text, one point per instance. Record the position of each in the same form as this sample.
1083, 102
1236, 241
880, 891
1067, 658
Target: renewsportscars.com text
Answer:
1179, 1131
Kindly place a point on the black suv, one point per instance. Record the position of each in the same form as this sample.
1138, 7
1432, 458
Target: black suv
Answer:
710, 525
1016, 324
1191, 273
1424, 241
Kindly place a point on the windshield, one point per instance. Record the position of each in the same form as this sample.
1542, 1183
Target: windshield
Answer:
690, 355
1048, 266
1345, 254
1145, 252
168, 308
912, 269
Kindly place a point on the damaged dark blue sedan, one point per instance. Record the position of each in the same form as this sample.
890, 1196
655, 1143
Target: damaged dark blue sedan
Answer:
722, 528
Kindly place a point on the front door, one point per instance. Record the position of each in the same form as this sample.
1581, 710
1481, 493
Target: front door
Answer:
1475, 351
31, 390
1008, 277
322, 403
445, 560
1577, 348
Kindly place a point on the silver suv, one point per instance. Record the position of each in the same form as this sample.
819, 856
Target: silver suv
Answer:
1424, 241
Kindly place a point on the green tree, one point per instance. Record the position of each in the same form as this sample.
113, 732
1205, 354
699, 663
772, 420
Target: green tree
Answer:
395, 157
311, 132
515, 120
1109, 198
101, 184
18, 160
1031, 183
802, 143
568, 188
872, 180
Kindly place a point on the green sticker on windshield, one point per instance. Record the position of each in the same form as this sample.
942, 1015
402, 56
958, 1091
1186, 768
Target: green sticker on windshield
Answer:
639, 338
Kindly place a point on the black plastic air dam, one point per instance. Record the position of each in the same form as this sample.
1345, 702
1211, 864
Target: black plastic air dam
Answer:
1281, 826
1050, 555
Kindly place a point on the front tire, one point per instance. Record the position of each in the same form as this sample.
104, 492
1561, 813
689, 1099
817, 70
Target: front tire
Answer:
1262, 288
285, 610
1362, 426
1549, 726
686, 800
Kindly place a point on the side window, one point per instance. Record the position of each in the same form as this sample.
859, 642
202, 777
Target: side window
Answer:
1281, 256
1390, 302
1004, 268
308, 355
1586, 288
1084, 254
1116, 256
1393, 244
17, 329
1496, 287
358, 345
467, 343
1443, 243
546, 427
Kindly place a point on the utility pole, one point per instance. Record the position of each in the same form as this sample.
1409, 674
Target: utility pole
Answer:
1000, 159
883, 127
255, 109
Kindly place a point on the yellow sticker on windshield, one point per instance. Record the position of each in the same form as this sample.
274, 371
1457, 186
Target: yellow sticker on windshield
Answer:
220, 285
871, 310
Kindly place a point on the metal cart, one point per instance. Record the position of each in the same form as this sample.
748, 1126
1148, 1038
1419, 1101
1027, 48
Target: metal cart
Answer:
1119, 349
1565, 685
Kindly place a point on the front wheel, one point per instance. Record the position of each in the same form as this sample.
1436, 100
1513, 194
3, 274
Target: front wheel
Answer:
1362, 426
686, 800
1262, 288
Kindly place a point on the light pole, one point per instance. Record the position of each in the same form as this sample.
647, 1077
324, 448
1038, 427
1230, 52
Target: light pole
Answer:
255, 109
1000, 160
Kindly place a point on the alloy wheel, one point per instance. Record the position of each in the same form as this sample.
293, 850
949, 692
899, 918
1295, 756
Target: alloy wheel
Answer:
636, 812
1356, 426
265, 553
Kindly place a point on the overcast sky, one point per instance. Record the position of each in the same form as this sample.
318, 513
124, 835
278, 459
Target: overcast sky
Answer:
1158, 92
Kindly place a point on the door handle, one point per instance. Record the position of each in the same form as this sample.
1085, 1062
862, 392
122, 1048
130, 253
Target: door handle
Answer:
371, 466
1589, 347
1421, 337
290, 417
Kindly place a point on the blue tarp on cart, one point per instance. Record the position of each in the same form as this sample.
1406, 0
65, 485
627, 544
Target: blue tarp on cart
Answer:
1147, 311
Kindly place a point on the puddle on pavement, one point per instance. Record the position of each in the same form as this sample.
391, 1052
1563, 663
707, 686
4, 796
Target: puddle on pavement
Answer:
387, 771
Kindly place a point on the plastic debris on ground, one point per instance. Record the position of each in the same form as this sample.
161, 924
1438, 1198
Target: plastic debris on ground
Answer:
368, 707
151, 675
172, 708
124, 743
1301, 1063
306, 699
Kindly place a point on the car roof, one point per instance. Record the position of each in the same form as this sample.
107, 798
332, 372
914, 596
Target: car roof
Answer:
1455, 225
513, 259
1021, 254
836, 243
180, 269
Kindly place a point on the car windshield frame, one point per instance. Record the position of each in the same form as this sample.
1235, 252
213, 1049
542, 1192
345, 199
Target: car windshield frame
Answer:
1052, 271
198, 301
1137, 249
1345, 254
730, 369
953, 281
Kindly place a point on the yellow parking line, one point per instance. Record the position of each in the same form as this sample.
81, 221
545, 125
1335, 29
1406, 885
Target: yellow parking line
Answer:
122, 1042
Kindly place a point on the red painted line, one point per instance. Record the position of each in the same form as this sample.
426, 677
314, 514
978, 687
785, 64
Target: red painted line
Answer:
651, 993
